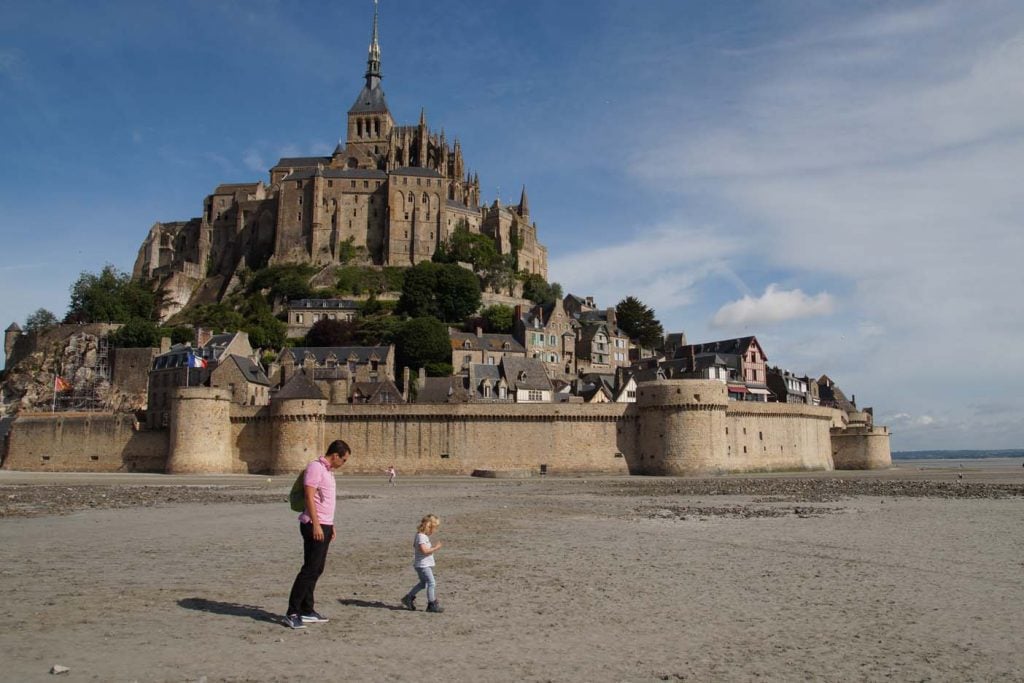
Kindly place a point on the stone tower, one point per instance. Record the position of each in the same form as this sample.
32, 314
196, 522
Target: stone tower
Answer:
681, 428
369, 120
297, 414
11, 336
200, 438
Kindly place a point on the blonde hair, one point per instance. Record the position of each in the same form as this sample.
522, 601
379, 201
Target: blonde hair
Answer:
427, 522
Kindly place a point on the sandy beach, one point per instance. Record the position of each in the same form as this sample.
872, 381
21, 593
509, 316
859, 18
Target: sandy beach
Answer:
908, 574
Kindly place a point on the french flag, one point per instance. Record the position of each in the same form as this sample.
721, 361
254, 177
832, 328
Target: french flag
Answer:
195, 361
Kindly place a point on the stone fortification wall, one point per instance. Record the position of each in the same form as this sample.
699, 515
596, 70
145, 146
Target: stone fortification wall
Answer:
676, 428
84, 442
861, 448
681, 427
435, 439
777, 437
200, 439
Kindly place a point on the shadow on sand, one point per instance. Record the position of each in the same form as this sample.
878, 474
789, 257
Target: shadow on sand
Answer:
377, 604
231, 609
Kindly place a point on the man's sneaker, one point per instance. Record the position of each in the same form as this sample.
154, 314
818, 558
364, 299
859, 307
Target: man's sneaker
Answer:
409, 603
294, 621
314, 618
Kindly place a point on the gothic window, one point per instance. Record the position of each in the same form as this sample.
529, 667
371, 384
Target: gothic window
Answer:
424, 200
359, 128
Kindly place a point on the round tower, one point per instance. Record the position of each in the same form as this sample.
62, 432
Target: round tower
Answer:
681, 427
298, 434
200, 428
11, 336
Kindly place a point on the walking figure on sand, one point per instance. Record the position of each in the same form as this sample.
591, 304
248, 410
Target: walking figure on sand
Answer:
392, 474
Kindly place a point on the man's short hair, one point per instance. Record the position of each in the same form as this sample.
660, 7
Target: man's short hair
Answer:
338, 447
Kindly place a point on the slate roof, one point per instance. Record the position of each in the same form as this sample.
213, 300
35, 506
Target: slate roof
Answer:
252, 372
487, 341
737, 346
370, 101
299, 387
301, 162
343, 173
443, 390
362, 354
231, 188
375, 392
536, 376
13, 327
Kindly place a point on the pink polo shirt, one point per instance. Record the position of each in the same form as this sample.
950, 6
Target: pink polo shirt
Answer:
320, 475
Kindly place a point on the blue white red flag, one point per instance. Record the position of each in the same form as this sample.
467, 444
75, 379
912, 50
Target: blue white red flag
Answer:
195, 361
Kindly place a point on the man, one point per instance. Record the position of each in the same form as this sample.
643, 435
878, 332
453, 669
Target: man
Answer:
316, 523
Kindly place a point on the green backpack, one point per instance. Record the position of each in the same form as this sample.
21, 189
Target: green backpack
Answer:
297, 496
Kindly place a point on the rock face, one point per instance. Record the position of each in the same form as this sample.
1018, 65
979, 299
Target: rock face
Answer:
78, 354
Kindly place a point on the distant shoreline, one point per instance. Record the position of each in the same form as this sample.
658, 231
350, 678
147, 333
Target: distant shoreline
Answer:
958, 455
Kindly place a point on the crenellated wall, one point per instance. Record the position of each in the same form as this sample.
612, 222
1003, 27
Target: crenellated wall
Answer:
676, 428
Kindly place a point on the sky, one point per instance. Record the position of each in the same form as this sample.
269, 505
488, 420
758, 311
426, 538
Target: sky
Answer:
835, 178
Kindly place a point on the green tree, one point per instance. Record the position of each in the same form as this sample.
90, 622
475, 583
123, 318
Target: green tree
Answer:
136, 333
179, 334
498, 318
418, 289
457, 293
219, 317
40, 320
377, 330
637, 320
422, 342
537, 289
111, 296
331, 333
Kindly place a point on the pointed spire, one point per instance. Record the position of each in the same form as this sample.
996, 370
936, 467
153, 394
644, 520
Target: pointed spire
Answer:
524, 205
373, 59
423, 116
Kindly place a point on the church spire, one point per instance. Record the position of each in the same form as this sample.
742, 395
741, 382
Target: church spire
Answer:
524, 205
373, 59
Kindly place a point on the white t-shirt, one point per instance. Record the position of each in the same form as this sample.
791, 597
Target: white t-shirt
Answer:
420, 559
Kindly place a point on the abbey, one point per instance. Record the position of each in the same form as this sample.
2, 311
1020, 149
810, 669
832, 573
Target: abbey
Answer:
390, 194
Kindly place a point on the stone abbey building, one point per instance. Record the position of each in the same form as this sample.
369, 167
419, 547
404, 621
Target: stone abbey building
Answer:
394, 192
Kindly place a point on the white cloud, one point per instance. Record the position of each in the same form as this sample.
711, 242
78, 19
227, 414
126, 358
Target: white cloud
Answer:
661, 266
775, 305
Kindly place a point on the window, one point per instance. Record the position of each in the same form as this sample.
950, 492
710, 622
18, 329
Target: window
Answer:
551, 340
535, 395
298, 318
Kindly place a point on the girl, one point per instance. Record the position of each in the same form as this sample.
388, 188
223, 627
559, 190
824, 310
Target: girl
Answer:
423, 563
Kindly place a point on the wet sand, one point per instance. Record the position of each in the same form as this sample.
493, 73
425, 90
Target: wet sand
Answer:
907, 574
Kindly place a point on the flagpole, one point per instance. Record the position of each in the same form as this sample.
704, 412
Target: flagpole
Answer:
56, 376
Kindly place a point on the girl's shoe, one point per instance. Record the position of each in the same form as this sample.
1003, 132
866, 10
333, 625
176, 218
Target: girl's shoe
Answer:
409, 603
434, 607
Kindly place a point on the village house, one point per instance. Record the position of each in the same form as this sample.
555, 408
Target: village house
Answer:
304, 313
482, 348
787, 387
548, 334
336, 370
741, 359
185, 365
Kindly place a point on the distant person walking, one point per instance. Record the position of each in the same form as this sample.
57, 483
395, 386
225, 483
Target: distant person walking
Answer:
316, 524
392, 474
423, 563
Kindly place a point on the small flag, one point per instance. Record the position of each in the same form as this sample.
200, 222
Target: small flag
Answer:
60, 384
195, 361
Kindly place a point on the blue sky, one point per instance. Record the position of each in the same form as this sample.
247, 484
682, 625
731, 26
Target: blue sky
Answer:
837, 178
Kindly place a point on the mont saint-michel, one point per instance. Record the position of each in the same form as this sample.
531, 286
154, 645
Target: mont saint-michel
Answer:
461, 358
393, 192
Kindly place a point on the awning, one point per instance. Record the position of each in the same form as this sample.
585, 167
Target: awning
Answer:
737, 389
763, 392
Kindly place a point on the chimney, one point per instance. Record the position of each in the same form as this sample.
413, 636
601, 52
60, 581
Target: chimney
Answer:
203, 336
422, 379
479, 331
165, 344
519, 311
405, 383
610, 317
692, 360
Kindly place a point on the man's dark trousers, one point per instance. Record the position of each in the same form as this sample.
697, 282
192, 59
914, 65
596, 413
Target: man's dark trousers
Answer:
314, 557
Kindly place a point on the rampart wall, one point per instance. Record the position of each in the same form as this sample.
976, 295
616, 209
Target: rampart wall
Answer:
676, 428
84, 442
